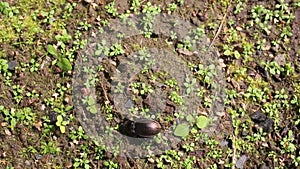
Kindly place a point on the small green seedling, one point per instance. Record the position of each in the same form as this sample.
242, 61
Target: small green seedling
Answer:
62, 61
61, 123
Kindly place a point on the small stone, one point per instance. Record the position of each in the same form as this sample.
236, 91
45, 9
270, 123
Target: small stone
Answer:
89, 1
265, 144
68, 164
241, 161
11, 65
69, 85
75, 142
43, 107
224, 143
38, 156
3, 124
280, 59
239, 28
151, 160
258, 116
221, 162
7, 132
28, 163
263, 121
54, 138
221, 63
53, 117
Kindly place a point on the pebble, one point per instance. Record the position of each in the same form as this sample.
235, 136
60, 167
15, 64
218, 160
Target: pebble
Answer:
12, 65
241, 161
263, 121
7, 132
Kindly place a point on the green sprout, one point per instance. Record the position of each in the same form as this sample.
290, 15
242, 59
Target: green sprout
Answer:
61, 123
176, 98
110, 8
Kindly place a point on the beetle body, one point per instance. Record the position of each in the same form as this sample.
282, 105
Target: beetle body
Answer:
141, 128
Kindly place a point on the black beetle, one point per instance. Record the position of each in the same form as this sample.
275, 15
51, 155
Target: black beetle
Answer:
140, 127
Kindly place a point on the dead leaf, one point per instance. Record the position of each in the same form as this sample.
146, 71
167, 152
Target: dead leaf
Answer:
186, 52
38, 125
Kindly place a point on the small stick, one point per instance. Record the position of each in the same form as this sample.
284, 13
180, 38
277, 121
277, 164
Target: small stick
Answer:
104, 92
234, 152
220, 27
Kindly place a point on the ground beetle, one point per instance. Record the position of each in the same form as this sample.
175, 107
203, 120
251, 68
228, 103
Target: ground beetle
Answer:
140, 127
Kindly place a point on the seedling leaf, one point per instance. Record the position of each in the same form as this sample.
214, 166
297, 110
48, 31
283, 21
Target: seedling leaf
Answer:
91, 101
64, 64
51, 49
182, 130
62, 129
59, 120
13, 123
190, 118
92, 109
202, 122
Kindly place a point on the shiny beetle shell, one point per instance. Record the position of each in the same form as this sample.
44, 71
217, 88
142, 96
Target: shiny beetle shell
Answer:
141, 128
